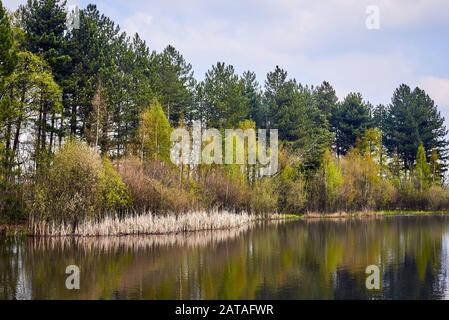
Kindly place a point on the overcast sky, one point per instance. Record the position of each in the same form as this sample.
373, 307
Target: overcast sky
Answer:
313, 40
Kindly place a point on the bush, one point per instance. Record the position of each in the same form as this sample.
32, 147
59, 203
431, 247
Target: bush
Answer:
76, 185
438, 198
224, 188
264, 197
115, 194
291, 191
154, 186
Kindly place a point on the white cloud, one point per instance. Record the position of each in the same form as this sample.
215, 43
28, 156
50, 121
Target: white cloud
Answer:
438, 89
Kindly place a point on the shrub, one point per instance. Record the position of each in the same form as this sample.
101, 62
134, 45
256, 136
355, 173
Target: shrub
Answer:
292, 195
224, 188
438, 198
264, 198
115, 194
154, 186
76, 185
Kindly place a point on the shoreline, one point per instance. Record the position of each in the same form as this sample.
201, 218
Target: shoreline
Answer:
361, 214
23, 229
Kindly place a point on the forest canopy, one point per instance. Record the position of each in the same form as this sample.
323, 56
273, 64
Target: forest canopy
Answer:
97, 88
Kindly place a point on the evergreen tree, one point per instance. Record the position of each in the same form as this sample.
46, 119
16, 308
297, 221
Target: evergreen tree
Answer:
257, 109
280, 94
326, 100
412, 118
351, 119
173, 83
224, 103
44, 23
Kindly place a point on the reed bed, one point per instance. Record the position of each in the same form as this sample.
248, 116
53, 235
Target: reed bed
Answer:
147, 224
90, 245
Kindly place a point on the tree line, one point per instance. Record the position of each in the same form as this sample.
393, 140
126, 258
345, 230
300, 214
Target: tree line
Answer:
99, 85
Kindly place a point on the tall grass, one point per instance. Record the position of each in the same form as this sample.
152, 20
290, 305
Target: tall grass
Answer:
147, 223
89, 245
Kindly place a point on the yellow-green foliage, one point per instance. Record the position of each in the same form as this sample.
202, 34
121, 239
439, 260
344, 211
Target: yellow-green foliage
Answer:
76, 185
115, 194
362, 181
422, 169
154, 133
67, 191
264, 198
333, 178
291, 191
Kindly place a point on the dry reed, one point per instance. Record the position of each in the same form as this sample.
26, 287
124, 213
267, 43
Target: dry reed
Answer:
147, 224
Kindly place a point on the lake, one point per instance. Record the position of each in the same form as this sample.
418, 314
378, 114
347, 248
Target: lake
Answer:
302, 259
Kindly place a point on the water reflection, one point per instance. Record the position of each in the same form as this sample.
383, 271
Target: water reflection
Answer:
312, 259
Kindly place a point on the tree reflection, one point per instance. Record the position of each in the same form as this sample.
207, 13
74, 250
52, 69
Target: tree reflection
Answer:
312, 259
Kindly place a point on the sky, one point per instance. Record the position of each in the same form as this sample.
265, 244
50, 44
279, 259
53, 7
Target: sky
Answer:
313, 40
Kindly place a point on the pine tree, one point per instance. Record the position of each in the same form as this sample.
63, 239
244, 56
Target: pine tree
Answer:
326, 100
224, 103
351, 118
413, 118
280, 95
173, 83
44, 23
257, 109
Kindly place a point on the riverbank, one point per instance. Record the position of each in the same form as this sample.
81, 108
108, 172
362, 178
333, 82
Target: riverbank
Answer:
149, 224
337, 215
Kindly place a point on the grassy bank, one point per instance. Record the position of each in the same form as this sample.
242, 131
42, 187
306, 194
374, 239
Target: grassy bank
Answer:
314, 215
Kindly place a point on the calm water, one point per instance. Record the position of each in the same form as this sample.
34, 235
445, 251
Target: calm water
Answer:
289, 260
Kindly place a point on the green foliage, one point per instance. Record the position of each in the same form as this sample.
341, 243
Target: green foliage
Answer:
258, 111
363, 187
44, 23
31, 90
77, 185
68, 190
8, 52
291, 191
264, 197
413, 118
115, 194
96, 83
222, 103
326, 100
154, 133
422, 169
174, 84
350, 120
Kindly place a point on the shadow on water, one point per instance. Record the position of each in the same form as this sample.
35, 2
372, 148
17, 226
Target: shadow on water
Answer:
312, 259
